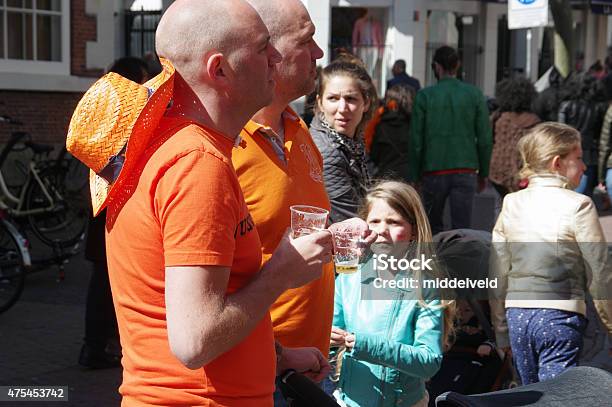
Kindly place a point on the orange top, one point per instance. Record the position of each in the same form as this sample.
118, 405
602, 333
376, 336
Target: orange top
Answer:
370, 129
301, 316
187, 209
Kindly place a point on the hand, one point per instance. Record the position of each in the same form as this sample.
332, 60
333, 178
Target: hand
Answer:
484, 350
337, 336
349, 341
307, 361
482, 184
299, 261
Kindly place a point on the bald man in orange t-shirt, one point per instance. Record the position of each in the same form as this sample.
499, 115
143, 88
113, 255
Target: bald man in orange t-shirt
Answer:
278, 165
191, 295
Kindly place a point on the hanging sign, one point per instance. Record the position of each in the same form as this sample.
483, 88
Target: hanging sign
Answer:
527, 13
601, 6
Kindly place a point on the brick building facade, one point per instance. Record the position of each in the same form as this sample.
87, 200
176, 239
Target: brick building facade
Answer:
46, 112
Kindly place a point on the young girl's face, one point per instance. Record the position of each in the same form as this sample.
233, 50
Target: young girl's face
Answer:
390, 226
343, 104
571, 166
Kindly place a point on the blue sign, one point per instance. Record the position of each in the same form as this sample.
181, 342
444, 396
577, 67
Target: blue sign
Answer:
526, 1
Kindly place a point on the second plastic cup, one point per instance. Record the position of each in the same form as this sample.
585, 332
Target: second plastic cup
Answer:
307, 219
346, 251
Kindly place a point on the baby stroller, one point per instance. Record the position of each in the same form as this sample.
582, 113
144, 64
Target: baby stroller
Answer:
581, 386
300, 391
464, 253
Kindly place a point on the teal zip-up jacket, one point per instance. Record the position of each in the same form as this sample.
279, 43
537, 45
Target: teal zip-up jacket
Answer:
449, 129
398, 343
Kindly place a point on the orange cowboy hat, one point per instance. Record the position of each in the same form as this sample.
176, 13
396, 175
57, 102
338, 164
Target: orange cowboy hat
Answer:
112, 126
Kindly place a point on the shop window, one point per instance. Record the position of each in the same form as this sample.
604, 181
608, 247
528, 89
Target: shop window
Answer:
141, 21
513, 51
31, 30
363, 32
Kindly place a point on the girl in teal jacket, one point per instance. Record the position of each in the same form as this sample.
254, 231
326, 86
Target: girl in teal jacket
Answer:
393, 333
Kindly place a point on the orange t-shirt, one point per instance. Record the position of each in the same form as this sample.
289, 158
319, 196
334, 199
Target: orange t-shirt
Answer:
186, 209
301, 316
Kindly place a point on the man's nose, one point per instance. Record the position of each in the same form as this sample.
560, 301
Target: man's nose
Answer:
317, 53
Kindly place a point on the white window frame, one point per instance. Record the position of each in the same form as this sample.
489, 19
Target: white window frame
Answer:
42, 67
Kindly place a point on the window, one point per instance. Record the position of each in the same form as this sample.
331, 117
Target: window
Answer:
34, 33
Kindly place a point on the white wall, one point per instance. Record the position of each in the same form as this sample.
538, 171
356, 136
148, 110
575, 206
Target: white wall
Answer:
409, 39
100, 53
320, 13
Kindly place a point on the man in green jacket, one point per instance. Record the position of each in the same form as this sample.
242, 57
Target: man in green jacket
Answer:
450, 143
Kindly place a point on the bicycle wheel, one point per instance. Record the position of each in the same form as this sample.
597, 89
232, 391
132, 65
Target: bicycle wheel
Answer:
63, 225
12, 268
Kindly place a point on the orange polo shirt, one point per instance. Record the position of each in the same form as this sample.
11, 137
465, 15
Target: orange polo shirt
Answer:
301, 316
187, 209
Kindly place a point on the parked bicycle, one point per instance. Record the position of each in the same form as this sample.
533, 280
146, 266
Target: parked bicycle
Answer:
48, 196
14, 262
56, 210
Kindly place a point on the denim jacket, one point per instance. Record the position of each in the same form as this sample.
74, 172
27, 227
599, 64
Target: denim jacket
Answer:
398, 343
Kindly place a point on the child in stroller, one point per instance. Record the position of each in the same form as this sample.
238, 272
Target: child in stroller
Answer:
473, 364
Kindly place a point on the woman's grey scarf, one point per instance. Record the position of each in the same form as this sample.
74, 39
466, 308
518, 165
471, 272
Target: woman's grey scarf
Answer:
354, 148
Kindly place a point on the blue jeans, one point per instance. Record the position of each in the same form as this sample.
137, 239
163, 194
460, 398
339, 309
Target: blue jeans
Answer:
588, 181
544, 342
459, 188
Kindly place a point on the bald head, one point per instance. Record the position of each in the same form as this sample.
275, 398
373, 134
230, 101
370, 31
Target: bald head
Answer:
292, 33
280, 16
190, 29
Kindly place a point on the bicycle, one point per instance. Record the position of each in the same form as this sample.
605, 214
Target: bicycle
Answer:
55, 210
14, 262
50, 197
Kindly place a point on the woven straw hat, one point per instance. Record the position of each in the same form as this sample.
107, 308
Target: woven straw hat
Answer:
112, 126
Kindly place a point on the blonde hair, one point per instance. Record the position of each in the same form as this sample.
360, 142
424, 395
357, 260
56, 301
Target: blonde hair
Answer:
405, 200
542, 143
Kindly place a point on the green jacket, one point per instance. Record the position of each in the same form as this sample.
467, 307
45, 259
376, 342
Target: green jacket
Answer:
450, 129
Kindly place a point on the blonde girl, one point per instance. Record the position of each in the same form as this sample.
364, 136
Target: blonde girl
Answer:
549, 251
393, 337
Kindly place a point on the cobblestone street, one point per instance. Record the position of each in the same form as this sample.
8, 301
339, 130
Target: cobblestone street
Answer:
41, 336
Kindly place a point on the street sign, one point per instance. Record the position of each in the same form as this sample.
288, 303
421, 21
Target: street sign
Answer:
601, 6
527, 13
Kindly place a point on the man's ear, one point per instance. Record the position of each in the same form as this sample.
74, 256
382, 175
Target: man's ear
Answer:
216, 67
556, 163
458, 66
